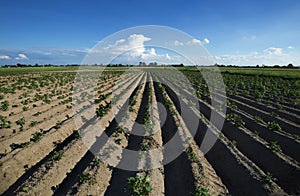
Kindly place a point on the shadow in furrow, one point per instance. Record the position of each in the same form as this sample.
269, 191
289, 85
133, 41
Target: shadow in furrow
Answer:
235, 177
73, 176
179, 178
118, 181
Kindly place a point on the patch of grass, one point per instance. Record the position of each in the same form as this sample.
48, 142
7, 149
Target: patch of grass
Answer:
138, 186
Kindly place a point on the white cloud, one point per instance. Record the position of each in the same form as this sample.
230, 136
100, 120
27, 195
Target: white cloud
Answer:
21, 57
168, 57
5, 57
178, 43
269, 56
198, 42
206, 41
133, 49
274, 51
194, 42
290, 47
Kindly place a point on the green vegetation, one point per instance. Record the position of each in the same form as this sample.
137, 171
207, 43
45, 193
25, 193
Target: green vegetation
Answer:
273, 126
138, 186
36, 136
4, 105
274, 146
192, 155
236, 119
56, 156
201, 192
4, 122
269, 178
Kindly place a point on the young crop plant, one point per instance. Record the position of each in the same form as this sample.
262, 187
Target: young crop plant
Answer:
58, 124
200, 191
231, 104
269, 178
36, 136
273, 126
21, 122
138, 186
258, 119
4, 122
4, 105
86, 177
192, 155
101, 111
236, 119
274, 146
56, 156
233, 143
33, 123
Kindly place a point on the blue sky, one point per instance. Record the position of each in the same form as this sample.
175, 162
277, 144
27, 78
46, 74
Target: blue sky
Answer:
239, 32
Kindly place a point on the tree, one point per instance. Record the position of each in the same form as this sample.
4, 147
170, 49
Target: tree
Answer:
290, 65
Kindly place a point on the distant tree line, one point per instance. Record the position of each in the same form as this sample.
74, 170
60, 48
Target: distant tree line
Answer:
290, 65
151, 64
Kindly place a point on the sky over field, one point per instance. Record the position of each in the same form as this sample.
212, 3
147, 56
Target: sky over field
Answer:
233, 32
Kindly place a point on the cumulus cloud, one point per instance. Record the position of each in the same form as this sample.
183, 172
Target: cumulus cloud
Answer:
178, 43
134, 44
274, 51
198, 42
194, 42
4, 57
133, 48
269, 56
21, 57
206, 41
290, 47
